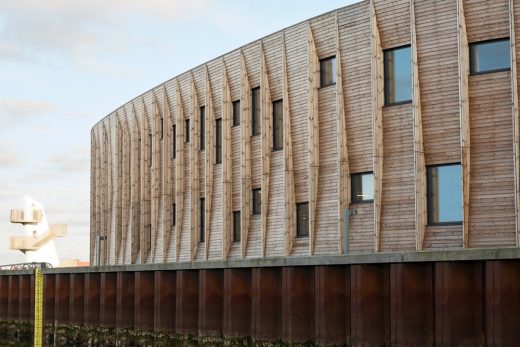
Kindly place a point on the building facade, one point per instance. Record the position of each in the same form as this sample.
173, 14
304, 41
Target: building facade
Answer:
378, 127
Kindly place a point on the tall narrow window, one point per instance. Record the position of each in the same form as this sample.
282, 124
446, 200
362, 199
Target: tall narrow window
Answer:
302, 219
150, 150
277, 125
174, 134
362, 187
398, 75
162, 128
174, 214
202, 122
236, 113
444, 194
257, 201
202, 221
236, 226
490, 56
218, 140
187, 130
328, 71
255, 111
148, 231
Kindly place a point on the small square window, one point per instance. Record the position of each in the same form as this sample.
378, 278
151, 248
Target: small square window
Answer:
202, 123
490, 56
398, 75
236, 113
302, 219
255, 111
218, 140
328, 71
236, 226
202, 215
277, 125
444, 194
187, 131
362, 187
257, 201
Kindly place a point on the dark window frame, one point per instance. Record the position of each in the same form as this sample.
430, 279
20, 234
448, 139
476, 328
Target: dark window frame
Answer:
277, 146
256, 129
234, 115
334, 81
174, 214
237, 235
162, 128
353, 199
429, 196
385, 72
299, 220
255, 212
202, 128
174, 134
218, 141
476, 73
202, 220
187, 130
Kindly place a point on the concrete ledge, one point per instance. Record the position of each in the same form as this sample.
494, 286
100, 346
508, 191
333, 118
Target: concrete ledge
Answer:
368, 258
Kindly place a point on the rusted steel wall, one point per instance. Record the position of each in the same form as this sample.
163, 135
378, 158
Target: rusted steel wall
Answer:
449, 303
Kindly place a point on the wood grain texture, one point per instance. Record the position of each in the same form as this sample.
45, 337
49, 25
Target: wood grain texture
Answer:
377, 121
194, 170
135, 177
167, 173
227, 170
516, 119
179, 169
314, 135
156, 187
420, 166
209, 159
145, 183
245, 153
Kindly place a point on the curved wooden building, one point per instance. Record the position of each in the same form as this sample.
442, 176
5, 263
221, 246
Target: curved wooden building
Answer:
382, 126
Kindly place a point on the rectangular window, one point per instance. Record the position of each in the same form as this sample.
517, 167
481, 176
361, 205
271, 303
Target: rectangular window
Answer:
302, 219
255, 111
162, 128
362, 187
150, 150
174, 214
277, 125
257, 201
444, 194
489, 56
148, 231
236, 113
202, 122
187, 131
398, 75
174, 132
218, 140
236, 226
328, 71
202, 222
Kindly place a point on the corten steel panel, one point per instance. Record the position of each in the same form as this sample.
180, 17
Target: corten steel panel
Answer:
211, 285
502, 298
459, 302
49, 288
332, 305
14, 297
77, 298
92, 298
62, 300
187, 304
144, 300
370, 304
411, 304
4, 296
237, 302
165, 300
125, 300
108, 299
25, 297
298, 304
266, 312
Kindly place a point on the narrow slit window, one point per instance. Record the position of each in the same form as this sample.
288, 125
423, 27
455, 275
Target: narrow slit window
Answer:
162, 128
236, 113
150, 150
202, 207
236, 226
277, 125
174, 214
257, 201
174, 134
398, 75
218, 140
255, 111
187, 131
302, 219
148, 230
328, 71
362, 187
202, 123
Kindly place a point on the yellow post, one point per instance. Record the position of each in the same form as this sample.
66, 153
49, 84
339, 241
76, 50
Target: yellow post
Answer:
38, 307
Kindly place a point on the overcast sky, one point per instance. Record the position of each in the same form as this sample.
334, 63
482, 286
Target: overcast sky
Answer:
66, 64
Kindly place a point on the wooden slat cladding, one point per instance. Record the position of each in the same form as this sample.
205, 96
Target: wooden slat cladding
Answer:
329, 133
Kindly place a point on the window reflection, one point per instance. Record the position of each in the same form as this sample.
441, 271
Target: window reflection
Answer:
490, 56
444, 194
398, 75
